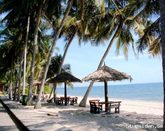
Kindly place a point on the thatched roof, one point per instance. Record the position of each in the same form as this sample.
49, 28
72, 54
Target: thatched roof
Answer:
106, 73
36, 82
64, 77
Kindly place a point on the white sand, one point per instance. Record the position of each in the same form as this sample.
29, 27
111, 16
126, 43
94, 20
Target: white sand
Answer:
136, 106
134, 116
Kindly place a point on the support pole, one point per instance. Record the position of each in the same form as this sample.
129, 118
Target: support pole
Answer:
106, 95
65, 93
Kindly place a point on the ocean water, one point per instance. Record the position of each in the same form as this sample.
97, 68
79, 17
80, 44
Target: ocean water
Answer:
147, 91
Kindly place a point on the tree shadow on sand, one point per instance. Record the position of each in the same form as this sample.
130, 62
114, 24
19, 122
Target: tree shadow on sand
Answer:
85, 120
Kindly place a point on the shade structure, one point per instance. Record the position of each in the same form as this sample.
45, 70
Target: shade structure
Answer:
37, 84
64, 77
105, 74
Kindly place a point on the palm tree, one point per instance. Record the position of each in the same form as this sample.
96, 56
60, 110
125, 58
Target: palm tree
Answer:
20, 77
145, 25
76, 24
162, 19
38, 104
149, 36
152, 32
39, 13
63, 58
13, 13
25, 54
54, 67
118, 28
48, 9
9, 56
13, 10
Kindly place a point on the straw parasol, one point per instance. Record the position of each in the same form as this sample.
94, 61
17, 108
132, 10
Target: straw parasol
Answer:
64, 77
105, 74
37, 84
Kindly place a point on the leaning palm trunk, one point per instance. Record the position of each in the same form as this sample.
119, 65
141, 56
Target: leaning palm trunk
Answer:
83, 101
25, 53
34, 54
65, 52
62, 61
162, 14
38, 104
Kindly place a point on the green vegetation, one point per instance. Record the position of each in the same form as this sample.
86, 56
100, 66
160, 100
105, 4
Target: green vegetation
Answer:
47, 89
30, 29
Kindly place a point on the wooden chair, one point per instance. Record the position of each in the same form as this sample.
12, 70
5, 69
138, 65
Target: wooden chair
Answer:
114, 104
95, 107
73, 100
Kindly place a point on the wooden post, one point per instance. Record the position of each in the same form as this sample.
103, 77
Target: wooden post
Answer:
106, 95
65, 93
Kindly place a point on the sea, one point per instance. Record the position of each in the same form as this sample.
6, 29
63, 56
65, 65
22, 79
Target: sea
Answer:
145, 92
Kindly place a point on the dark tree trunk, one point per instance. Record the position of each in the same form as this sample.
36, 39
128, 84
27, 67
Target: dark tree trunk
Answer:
35, 46
25, 52
62, 62
38, 104
162, 14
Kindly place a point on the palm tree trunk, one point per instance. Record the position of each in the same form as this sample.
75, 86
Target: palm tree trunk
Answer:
19, 77
25, 53
38, 104
83, 101
16, 84
15, 89
34, 54
162, 19
10, 86
10, 91
62, 62
65, 52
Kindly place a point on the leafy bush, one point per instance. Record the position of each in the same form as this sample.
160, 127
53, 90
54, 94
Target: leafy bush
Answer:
47, 89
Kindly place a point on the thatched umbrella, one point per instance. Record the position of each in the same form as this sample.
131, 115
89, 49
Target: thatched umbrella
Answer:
64, 77
37, 84
105, 74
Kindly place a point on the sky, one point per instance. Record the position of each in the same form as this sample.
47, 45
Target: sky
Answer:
85, 58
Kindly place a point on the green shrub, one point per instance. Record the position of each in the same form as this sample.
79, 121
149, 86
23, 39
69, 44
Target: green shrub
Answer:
47, 89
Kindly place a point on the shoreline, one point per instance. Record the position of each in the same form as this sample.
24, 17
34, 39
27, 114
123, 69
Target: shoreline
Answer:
135, 106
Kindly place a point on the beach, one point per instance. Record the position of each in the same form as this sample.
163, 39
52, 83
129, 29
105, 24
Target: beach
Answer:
134, 116
112, 51
136, 106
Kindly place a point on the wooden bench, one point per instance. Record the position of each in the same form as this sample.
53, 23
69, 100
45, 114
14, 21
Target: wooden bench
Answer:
95, 107
114, 104
73, 100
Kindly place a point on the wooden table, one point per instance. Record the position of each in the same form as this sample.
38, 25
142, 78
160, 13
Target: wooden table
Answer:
62, 99
113, 104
